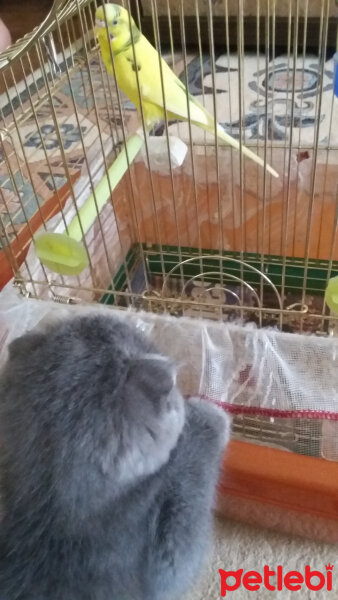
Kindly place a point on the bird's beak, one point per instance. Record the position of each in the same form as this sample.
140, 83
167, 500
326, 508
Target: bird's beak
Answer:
99, 26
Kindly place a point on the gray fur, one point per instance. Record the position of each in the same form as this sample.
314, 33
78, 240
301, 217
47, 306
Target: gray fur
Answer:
108, 477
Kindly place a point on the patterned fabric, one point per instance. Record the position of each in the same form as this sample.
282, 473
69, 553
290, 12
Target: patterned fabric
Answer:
279, 103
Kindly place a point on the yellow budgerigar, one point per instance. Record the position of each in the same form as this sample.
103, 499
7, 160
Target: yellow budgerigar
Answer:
138, 72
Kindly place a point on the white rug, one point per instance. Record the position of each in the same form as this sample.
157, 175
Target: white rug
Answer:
238, 546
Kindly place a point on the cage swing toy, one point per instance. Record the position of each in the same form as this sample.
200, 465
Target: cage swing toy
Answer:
194, 234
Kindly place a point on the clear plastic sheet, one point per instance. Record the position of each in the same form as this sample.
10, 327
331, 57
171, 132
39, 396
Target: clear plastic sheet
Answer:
282, 389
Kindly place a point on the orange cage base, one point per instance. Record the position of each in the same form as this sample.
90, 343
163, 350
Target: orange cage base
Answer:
280, 490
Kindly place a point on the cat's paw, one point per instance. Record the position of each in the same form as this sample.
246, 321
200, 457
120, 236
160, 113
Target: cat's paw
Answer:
214, 416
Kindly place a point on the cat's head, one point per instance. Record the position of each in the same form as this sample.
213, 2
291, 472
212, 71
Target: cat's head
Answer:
107, 403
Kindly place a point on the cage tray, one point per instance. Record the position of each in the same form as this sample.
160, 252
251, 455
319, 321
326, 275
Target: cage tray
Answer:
204, 276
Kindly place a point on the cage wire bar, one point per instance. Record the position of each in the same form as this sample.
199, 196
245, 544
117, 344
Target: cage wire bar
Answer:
202, 239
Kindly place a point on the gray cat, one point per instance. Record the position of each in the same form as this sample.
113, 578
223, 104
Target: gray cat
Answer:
108, 476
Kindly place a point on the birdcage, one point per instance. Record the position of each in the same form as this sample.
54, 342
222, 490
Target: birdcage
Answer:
187, 229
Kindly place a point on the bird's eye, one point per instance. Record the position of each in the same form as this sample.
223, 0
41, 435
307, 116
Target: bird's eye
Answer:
115, 22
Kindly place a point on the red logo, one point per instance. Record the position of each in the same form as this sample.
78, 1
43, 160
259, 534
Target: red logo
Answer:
276, 580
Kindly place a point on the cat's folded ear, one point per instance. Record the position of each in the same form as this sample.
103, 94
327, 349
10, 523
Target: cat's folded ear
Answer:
153, 374
24, 345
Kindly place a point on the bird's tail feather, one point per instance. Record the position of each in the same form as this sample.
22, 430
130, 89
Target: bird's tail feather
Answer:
235, 144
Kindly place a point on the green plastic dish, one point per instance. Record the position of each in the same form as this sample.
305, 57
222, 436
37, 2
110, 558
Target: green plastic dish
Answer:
61, 254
